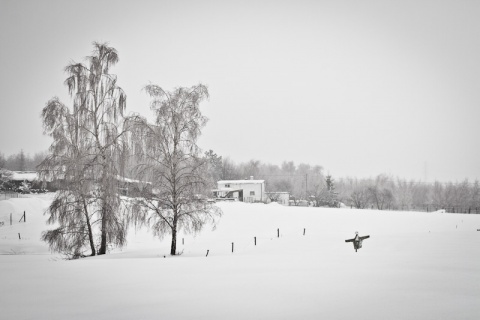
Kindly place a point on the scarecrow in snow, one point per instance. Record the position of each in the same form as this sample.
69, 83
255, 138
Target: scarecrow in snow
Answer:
357, 241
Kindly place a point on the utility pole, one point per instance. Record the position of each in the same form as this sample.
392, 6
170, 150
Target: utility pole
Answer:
306, 180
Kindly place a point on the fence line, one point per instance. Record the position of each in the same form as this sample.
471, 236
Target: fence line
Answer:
12, 218
427, 208
448, 209
9, 195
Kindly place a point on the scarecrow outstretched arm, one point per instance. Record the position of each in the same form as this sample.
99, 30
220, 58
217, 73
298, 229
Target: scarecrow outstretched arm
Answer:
364, 237
349, 240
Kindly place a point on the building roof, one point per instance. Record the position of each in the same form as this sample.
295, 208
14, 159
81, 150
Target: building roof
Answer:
23, 175
128, 180
240, 181
278, 192
227, 189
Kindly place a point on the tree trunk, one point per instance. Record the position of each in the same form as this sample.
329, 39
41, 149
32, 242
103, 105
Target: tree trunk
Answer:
90, 238
105, 213
173, 248
90, 232
103, 243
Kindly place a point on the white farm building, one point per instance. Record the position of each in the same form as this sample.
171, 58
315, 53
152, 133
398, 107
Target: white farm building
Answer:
24, 176
241, 190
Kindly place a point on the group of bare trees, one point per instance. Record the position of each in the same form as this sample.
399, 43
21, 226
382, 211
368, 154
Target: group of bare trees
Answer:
96, 146
21, 161
384, 192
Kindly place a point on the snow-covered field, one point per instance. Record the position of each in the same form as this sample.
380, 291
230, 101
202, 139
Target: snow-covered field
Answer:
414, 266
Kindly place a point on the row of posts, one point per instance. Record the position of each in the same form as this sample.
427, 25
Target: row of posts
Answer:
24, 218
254, 240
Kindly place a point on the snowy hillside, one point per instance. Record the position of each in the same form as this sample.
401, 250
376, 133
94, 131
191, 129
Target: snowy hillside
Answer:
413, 266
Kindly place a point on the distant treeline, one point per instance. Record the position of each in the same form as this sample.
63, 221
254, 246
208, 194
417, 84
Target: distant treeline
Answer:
388, 193
308, 182
305, 181
21, 161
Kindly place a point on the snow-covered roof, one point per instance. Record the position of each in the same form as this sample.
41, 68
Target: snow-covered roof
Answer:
226, 189
240, 181
128, 180
24, 175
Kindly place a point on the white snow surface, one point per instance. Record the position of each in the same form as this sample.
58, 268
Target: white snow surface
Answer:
415, 265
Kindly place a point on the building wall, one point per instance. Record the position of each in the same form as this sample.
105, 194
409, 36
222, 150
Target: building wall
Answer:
257, 187
284, 198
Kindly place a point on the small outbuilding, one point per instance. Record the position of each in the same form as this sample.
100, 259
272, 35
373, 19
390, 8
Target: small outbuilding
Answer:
278, 197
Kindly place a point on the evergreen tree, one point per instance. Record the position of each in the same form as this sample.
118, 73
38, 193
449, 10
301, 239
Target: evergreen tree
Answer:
330, 194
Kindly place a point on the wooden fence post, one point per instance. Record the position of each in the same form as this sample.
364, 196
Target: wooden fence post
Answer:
303, 231
207, 253
255, 240
10, 219
232, 247
278, 233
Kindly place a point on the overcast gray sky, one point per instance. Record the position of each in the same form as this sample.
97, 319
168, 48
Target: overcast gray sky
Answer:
359, 87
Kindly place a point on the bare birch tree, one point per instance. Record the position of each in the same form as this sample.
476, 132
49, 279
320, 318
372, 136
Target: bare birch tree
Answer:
88, 144
170, 159
67, 162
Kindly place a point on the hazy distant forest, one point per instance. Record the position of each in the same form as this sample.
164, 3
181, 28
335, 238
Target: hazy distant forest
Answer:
305, 181
21, 161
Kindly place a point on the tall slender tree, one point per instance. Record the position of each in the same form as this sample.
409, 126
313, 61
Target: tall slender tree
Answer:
170, 159
88, 144
68, 162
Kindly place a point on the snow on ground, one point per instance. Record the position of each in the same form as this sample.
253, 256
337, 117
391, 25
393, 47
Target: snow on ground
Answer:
414, 266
